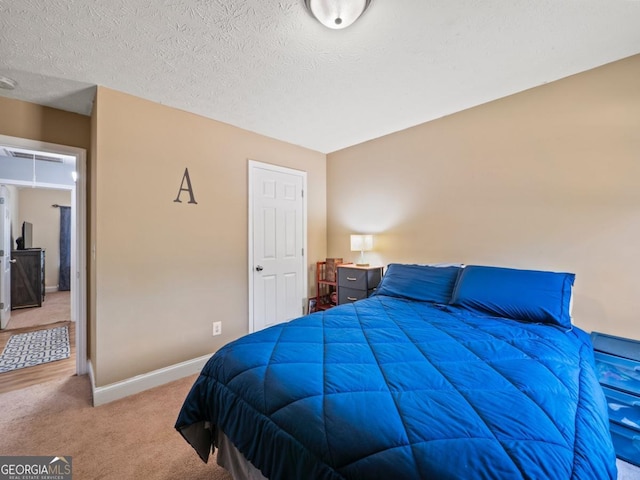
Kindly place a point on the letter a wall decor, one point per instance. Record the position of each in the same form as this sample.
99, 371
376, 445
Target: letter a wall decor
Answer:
185, 178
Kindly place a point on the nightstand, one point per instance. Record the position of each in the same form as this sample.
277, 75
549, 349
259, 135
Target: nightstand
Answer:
356, 283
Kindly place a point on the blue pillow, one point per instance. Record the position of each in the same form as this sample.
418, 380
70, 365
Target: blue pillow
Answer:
529, 295
419, 282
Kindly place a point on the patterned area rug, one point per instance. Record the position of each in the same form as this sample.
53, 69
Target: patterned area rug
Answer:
34, 348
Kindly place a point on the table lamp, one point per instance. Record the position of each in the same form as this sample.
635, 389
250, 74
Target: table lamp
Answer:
361, 243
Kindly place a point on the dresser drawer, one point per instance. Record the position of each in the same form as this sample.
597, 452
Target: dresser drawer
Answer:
623, 408
352, 278
618, 372
626, 443
618, 346
350, 295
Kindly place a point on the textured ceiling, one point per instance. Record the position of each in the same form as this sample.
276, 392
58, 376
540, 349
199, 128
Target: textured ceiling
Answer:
269, 67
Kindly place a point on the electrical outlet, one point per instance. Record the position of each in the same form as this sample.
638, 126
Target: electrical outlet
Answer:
217, 328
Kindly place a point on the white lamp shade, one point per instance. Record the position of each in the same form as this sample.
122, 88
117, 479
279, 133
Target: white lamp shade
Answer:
361, 243
337, 14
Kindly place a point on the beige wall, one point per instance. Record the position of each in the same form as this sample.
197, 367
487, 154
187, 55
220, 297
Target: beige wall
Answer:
545, 179
164, 271
35, 122
35, 207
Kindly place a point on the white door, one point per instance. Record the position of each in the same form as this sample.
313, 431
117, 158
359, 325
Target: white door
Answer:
5, 257
277, 225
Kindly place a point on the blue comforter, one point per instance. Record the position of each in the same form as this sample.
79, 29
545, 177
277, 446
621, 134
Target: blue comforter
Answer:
387, 388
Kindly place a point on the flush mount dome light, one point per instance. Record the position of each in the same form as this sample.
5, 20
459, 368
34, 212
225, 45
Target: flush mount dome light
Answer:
337, 13
7, 83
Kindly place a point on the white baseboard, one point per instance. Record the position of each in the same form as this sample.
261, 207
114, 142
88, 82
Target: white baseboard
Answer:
49, 289
140, 383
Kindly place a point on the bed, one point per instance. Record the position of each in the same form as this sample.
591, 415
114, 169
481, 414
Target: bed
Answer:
444, 373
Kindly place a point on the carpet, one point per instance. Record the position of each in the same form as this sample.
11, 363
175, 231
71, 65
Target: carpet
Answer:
129, 439
34, 348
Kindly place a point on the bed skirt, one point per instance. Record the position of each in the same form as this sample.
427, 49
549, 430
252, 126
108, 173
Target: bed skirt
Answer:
230, 458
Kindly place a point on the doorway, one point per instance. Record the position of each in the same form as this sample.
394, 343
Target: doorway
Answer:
277, 244
36, 241
40, 172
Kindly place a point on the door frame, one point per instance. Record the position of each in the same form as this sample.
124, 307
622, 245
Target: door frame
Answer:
252, 165
78, 241
5, 256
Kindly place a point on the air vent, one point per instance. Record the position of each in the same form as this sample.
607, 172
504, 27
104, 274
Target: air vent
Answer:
38, 156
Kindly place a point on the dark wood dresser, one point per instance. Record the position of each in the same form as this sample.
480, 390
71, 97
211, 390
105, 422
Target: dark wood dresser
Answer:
27, 278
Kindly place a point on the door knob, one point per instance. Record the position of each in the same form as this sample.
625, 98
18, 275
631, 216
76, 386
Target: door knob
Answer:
259, 268
13, 260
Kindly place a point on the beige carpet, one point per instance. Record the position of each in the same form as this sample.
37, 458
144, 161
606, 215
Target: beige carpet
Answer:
132, 438
55, 308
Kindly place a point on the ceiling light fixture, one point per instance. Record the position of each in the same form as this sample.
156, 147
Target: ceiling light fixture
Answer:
337, 14
7, 83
